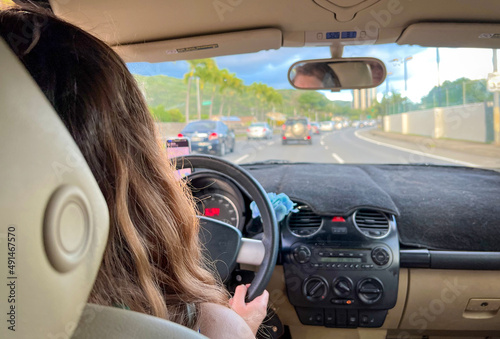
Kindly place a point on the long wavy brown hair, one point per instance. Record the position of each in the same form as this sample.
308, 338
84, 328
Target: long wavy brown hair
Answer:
152, 263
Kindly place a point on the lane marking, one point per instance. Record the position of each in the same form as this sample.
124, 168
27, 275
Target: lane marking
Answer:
463, 163
240, 159
322, 143
270, 143
339, 159
260, 148
326, 147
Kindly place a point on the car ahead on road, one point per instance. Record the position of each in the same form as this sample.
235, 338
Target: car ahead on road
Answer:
315, 128
326, 126
259, 130
359, 124
296, 129
209, 136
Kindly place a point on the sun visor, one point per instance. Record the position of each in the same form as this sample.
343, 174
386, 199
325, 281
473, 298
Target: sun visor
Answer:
207, 46
451, 35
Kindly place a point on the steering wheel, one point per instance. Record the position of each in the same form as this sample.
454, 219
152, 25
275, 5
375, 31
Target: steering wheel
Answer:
225, 243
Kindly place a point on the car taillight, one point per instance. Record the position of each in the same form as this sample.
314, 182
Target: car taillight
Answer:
248, 129
264, 129
284, 138
308, 137
213, 136
180, 135
308, 126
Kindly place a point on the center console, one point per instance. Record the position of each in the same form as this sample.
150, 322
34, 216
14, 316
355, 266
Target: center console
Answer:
342, 271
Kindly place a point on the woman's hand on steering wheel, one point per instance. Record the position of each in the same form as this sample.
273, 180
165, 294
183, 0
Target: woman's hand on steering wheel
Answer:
253, 312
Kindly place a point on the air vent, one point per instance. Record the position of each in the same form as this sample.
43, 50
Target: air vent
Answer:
373, 224
305, 222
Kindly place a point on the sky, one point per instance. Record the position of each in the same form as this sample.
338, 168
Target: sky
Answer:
271, 67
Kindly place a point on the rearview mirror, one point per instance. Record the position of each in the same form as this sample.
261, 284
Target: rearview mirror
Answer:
337, 74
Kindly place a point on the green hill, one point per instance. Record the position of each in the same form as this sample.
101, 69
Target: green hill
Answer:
166, 97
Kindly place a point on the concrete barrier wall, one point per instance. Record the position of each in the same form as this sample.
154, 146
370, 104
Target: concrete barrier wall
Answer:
397, 123
421, 123
464, 122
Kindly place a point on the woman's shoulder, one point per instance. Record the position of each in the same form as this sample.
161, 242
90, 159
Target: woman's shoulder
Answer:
217, 321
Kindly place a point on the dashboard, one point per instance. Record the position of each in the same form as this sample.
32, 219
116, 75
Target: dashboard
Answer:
358, 230
218, 197
343, 274
340, 271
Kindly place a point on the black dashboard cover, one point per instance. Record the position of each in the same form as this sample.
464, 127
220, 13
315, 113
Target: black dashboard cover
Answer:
328, 189
436, 207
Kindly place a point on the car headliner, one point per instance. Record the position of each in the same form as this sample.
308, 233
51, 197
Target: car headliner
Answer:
133, 23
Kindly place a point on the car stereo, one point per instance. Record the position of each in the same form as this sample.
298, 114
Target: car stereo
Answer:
341, 280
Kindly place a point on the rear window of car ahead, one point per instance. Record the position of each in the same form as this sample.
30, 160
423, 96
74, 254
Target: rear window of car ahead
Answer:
200, 126
296, 121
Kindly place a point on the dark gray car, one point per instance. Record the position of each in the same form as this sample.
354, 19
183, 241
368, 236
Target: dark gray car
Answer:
209, 136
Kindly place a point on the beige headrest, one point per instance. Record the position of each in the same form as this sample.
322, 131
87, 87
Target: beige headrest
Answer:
54, 220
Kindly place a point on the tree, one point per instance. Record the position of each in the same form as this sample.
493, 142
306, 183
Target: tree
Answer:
207, 72
164, 115
229, 86
264, 97
195, 70
315, 105
393, 104
451, 93
211, 74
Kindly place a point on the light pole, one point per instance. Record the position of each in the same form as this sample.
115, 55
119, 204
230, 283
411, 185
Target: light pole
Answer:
387, 83
406, 71
404, 60
496, 104
406, 80
387, 93
439, 80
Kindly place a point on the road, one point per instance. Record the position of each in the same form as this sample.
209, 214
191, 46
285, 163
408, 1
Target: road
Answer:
345, 146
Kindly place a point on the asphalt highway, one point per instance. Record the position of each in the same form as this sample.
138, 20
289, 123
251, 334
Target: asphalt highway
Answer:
348, 146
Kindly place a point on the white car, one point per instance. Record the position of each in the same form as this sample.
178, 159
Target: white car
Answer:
326, 126
259, 130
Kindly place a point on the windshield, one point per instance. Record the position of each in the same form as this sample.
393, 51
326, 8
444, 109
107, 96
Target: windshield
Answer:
433, 108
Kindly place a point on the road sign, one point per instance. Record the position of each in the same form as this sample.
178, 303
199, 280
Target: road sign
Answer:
493, 82
205, 103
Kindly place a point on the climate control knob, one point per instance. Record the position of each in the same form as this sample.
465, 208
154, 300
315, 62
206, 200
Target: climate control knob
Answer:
302, 254
370, 290
380, 256
342, 287
315, 288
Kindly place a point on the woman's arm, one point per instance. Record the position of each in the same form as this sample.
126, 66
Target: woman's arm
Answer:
253, 312
217, 321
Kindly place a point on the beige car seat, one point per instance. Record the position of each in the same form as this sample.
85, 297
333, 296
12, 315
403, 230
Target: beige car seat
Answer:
54, 226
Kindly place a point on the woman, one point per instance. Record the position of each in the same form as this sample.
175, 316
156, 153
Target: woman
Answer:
152, 263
